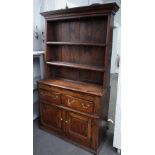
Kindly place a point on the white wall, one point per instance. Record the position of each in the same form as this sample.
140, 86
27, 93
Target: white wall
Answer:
117, 127
37, 21
36, 67
37, 46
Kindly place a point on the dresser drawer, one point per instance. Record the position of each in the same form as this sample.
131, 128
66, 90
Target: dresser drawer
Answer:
78, 104
44, 86
50, 96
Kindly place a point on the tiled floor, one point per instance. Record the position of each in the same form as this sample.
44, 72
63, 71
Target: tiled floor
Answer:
48, 144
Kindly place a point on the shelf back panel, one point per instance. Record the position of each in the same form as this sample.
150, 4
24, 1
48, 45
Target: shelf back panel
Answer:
92, 30
76, 74
76, 54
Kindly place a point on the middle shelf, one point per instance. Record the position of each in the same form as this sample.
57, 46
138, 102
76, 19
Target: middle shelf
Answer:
75, 43
76, 65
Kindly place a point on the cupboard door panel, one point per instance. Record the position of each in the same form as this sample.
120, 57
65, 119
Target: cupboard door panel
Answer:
51, 116
78, 128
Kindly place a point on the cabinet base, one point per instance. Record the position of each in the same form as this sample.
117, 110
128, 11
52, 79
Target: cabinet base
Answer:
95, 152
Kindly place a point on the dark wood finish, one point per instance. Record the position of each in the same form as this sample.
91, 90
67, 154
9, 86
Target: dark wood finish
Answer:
74, 96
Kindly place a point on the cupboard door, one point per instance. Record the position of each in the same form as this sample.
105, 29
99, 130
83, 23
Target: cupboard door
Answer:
78, 128
51, 116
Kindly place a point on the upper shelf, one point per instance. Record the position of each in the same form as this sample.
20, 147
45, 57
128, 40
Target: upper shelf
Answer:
76, 65
74, 43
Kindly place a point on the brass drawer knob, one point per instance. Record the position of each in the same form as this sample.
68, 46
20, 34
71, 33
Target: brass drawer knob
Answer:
69, 102
85, 106
61, 119
55, 97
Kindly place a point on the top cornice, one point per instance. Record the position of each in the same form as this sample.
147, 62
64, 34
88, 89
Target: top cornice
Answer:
102, 9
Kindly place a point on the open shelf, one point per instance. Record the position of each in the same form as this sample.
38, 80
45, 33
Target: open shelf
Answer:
74, 85
76, 65
75, 43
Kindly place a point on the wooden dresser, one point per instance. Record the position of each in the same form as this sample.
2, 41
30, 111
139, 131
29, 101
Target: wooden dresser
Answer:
74, 96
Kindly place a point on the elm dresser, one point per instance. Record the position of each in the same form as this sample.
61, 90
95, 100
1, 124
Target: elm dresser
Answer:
74, 96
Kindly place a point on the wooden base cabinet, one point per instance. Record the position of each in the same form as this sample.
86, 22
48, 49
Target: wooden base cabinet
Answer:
76, 118
74, 96
74, 126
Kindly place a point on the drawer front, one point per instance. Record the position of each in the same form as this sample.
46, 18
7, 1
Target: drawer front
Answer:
50, 96
67, 92
78, 104
45, 87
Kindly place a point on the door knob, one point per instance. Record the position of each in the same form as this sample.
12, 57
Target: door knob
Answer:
55, 97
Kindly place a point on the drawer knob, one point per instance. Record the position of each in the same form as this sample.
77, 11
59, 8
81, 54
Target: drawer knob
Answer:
55, 97
61, 119
85, 106
66, 121
70, 102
